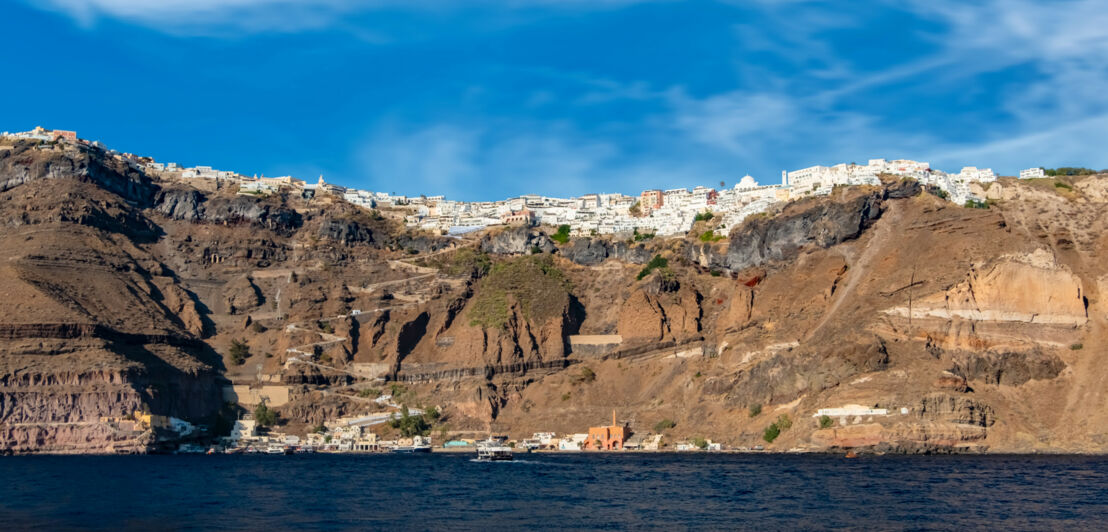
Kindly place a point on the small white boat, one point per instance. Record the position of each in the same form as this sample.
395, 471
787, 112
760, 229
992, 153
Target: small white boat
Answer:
493, 452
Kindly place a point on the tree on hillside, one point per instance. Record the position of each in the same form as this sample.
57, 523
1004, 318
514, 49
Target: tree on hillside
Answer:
264, 416
239, 352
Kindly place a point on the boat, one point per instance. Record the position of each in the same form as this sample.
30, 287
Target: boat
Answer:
276, 448
493, 451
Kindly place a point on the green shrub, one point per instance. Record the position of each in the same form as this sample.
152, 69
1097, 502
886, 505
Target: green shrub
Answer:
562, 236
257, 327
664, 425
783, 422
825, 422
264, 416
771, 433
1068, 171
700, 442
239, 352
1076, 347
755, 409
703, 216
710, 236
565, 396
1060, 184
586, 375
369, 392
657, 262
410, 425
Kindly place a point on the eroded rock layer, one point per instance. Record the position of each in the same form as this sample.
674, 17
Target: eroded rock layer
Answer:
878, 318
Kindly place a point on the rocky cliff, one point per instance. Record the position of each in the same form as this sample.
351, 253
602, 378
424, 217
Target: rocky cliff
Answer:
926, 326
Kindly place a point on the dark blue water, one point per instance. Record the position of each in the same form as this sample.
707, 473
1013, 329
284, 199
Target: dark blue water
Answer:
566, 491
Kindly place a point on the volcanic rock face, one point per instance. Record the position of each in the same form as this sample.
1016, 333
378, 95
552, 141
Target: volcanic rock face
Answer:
96, 327
659, 311
515, 241
191, 205
963, 329
801, 226
591, 252
1028, 288
1010, 369
345, 231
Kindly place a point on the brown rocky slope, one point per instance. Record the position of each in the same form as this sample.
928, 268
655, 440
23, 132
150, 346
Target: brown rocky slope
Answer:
975, 329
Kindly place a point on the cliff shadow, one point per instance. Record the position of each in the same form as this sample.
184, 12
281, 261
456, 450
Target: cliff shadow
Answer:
167, 389
409, 337
571, 325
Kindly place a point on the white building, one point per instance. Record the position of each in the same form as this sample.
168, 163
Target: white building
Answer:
851, 411
973, 173
1032, 173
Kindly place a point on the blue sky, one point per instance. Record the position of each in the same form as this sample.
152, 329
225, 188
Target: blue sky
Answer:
486, 99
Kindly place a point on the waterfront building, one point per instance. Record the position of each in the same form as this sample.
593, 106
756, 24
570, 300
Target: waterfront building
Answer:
607, 438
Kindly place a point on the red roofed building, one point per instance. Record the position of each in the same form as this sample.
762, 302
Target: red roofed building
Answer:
524, 216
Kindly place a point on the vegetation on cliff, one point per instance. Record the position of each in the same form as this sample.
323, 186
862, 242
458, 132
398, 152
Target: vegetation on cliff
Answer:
533, 282
467, 262
1069, 171
658, 262
562, 235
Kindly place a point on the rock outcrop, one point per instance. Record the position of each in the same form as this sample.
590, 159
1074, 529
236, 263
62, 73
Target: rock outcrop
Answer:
592, 251
1007, 368
804, 225
1029, 288
516, 240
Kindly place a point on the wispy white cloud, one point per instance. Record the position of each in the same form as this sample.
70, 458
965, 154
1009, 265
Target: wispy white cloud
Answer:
225, 17
1056, 145
814, 111
470, 161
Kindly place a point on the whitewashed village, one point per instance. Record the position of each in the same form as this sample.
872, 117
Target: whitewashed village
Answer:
654, 211
650, 212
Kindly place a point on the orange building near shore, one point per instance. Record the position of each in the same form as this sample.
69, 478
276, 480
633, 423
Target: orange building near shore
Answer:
608, 438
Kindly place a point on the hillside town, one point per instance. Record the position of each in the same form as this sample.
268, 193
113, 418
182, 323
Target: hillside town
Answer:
356, 434
394, 426
650, 212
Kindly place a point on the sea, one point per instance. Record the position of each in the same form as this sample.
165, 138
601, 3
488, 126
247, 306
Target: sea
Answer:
655, 491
